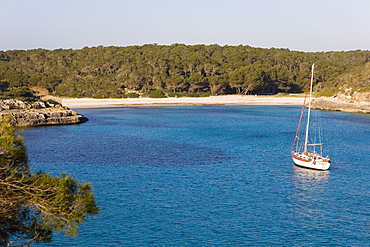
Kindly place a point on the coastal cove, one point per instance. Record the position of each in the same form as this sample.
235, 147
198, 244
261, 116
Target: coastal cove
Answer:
209, 175
59, 113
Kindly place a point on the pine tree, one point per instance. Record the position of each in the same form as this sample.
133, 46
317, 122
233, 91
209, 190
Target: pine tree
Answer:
35, 205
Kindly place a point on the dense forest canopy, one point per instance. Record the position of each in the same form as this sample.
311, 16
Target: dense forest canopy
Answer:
178, 69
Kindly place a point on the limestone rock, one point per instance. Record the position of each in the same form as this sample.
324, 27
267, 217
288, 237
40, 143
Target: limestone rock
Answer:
359, 102
38, 113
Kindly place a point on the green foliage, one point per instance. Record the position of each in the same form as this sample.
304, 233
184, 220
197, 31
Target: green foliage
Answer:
132, 95
34, 205
109, 71
172, 94
327, 92
358, 78
21, 93
156, 94
202, 94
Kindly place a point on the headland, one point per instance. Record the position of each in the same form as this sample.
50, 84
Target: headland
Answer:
21, 113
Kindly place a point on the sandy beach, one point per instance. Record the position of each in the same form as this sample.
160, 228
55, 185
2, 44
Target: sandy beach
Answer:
212, 100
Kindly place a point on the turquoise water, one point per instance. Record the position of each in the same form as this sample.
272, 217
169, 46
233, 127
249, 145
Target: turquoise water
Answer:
211, 176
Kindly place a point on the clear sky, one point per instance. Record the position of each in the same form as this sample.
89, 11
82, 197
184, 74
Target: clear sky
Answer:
303, 25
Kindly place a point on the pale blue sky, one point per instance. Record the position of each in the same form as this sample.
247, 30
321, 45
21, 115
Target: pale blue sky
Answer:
303, 25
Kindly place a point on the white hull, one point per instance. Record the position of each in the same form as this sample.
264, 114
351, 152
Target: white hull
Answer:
308, 161
309, 158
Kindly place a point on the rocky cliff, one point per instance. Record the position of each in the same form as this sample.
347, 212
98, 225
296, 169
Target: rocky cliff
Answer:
356, 102
38, 113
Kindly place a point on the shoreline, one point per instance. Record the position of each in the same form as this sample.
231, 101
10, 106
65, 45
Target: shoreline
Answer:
211, 100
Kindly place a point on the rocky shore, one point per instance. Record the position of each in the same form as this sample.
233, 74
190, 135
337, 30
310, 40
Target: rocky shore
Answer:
38, 113
357, 102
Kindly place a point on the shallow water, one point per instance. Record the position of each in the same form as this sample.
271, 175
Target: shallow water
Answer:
210, 176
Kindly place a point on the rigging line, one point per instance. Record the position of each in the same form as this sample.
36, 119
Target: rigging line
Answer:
302, 111
309, 111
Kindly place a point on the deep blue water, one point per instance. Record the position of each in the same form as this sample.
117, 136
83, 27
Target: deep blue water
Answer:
211, 176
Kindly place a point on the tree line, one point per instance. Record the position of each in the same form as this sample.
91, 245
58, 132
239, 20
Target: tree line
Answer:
177, 70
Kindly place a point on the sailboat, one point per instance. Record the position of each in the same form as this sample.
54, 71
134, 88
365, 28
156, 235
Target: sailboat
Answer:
304, 151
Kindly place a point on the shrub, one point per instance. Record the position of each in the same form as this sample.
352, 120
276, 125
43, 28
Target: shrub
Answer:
157, 94
132, 95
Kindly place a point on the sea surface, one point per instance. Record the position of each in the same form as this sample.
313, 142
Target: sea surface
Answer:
211, 176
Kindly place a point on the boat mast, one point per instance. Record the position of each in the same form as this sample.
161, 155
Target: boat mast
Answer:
308, 112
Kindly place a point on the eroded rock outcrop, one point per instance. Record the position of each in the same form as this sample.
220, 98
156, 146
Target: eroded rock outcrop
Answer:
38, 113
356, 102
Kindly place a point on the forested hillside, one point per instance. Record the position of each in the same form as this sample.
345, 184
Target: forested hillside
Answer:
192, 70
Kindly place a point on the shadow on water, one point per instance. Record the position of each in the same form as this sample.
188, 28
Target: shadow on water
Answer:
128, 150
257, 136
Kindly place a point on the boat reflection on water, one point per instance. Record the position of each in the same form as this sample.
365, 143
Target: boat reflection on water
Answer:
310, 191
309, 178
